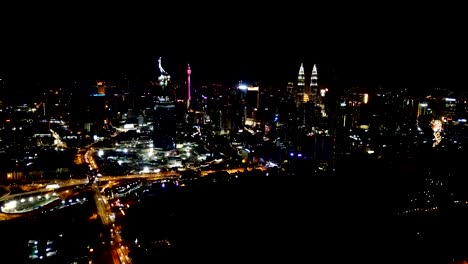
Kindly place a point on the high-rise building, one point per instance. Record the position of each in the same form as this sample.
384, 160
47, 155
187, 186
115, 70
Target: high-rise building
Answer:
300, 85
289, 88
2, 89
164, 123
164, 119
91, 109
164, 77
353, 107
250, 97
189, 96
101, 88
314, 95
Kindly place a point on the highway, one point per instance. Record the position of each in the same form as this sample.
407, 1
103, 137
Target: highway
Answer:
145, 176
60, 185
5, 217
119, 250
44, 188
7, 192
28, 203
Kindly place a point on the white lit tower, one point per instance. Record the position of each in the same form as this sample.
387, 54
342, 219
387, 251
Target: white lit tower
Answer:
300, 84
164, 77
314, 96
164, 115
189, 72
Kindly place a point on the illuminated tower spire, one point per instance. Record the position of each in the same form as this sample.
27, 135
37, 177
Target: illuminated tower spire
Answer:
314, 85
301, 77
189, 71
300, 84
164, 77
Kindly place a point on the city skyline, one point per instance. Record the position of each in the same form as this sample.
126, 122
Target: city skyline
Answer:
277, 68
375, 48
166, 134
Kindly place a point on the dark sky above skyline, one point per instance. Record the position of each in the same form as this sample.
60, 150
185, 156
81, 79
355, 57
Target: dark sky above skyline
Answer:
383, 46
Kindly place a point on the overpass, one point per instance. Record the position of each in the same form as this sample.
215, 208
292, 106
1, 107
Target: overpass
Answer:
144, 176
64, 184
13, 199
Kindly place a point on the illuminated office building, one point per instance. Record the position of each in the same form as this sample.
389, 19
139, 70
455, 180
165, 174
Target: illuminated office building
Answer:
313, 92
164, 117
300, 85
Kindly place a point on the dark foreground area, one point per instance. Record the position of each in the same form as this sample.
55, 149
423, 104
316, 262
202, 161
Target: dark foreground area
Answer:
68, 234
349, 217
295, 220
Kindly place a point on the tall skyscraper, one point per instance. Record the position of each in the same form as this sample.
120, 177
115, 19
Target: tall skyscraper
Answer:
189, 96
301, 77
314, 94
94, 112
164, 127
164, 77
300, 84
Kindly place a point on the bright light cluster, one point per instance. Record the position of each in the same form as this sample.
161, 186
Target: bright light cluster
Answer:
436, 126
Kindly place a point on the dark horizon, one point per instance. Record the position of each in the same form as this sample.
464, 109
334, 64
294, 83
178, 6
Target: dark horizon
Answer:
404, 48
250, 67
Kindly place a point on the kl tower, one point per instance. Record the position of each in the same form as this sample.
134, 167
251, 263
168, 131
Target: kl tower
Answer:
189, 71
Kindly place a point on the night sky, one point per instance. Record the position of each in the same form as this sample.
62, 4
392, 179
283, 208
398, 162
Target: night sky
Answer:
390, 45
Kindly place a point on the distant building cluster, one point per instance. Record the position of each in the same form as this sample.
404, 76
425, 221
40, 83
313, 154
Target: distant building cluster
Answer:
304, 121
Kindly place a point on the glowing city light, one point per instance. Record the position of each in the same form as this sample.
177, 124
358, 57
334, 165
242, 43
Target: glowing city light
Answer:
189, 96
164, 77
436, 126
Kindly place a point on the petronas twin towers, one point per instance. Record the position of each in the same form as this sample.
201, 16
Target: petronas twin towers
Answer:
309, 92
